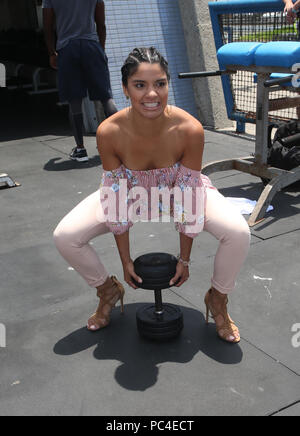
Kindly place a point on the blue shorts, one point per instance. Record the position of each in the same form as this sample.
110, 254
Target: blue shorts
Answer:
82, 66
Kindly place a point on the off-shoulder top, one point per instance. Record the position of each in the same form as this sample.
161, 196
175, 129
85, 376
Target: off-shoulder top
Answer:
128, 196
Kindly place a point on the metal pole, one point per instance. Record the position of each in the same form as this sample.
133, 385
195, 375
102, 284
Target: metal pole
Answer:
262, 120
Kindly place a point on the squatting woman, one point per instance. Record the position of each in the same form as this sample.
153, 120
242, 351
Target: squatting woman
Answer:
152, 144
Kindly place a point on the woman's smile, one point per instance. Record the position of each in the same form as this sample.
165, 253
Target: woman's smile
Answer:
152, 106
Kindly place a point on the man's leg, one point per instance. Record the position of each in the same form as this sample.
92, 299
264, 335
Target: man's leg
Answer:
78, 153
109, 107
95, 66
72, 89
76, 120
104, 109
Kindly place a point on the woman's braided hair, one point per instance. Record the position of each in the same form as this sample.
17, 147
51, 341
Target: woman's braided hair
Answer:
139, 55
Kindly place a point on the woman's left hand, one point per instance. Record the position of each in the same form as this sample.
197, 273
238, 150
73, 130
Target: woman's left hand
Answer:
182, 273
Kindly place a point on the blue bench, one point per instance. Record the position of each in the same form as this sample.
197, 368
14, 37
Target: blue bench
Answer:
272, 60
278, 54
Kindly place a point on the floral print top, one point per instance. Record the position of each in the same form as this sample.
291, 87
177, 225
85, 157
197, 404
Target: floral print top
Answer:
128, 196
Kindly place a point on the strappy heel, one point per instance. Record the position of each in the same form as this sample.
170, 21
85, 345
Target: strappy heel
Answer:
226, 330
109, 293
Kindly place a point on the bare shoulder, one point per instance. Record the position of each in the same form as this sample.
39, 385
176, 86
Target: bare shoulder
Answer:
108, 136
192, 136
110, 128
188, 126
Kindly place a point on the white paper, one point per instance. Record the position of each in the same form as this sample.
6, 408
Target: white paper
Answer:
244, 205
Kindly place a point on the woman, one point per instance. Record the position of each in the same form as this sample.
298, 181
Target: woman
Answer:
148, 145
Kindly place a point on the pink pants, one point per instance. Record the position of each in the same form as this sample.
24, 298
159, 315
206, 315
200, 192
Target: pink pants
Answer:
82, 224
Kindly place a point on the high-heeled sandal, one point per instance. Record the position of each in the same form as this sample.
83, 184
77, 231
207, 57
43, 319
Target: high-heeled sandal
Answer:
228, 328
109, 293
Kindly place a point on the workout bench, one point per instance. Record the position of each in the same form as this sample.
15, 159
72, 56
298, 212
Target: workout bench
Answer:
264, 59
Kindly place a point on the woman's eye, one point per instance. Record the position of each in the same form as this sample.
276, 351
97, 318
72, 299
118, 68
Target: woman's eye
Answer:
142, 85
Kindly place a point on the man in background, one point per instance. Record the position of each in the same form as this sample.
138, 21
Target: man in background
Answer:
79, 56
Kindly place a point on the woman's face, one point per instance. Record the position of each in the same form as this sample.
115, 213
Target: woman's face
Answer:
148, 90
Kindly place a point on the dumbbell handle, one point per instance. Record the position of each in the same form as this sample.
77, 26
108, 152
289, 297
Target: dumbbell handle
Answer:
159, 310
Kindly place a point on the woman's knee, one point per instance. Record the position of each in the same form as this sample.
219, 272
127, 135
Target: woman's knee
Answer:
240, 233
62, 236
58, 235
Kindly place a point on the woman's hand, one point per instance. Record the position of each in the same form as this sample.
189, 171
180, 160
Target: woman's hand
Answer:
182, 273
130, 274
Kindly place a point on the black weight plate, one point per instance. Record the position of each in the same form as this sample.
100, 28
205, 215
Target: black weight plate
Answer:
171, 314
155, 260
159, 284
156, 270
157, 324
161, 336
158, 329
160, 325
146, 315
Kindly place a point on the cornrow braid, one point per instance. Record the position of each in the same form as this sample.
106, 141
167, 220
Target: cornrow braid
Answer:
139, 55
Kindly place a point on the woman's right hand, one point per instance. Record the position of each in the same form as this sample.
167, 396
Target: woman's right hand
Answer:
130, 274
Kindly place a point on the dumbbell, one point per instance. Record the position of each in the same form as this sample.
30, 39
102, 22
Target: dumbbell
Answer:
158, 321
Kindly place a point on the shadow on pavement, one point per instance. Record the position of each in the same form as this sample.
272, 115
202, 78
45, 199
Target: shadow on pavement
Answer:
68, 164
284, 201
140, 359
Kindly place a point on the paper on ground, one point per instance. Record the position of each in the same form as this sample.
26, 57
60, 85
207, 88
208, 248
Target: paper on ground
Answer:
244, 205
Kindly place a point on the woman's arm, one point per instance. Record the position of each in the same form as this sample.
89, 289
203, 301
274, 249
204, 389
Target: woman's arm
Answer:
105, 142
106, 134
122, 242
191, 159
123, 247
186, 244
194, 146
